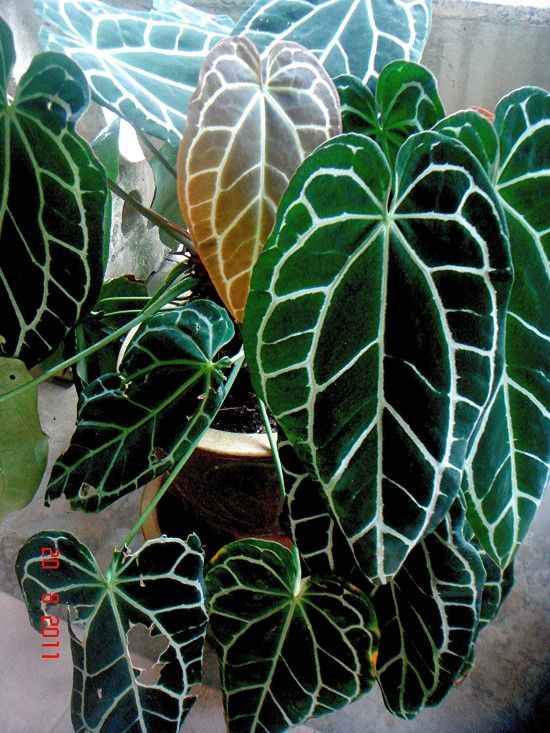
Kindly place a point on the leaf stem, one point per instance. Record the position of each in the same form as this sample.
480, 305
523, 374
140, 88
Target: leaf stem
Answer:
176, 232
150, 310
273, 446
237, 363
156, 153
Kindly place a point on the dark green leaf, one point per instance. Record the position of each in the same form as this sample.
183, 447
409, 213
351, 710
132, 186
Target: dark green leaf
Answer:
159, 587
406, 102
135, 424
428, 617
289, 648
52, 207
508, 467
373, 327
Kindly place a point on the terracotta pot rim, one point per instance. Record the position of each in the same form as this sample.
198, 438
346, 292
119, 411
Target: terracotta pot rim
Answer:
232, 446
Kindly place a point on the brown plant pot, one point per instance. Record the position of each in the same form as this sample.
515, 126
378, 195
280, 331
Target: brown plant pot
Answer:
227, 490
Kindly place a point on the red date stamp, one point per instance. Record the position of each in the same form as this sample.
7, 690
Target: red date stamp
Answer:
50, 624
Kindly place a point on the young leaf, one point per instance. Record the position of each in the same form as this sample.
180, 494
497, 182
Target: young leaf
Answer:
160, 586
23, 445
356, 37
289, 649
245, 137
144, 65
135, 424
372, 331
477, 134
52, 206
508, 466
406, 102
429, 617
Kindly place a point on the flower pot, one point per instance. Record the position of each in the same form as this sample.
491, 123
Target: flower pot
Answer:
227, 490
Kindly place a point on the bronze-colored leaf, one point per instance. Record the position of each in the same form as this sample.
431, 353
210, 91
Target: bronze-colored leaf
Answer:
247, 133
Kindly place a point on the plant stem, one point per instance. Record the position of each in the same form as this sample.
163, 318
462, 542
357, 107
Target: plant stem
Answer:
176, 232
236, 362
156, 153
273, 445
148, 311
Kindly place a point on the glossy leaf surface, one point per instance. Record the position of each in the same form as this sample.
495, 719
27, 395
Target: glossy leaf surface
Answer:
373, 327
508, 467
356, 37
144, 65
160, 587
52, 206
405, 102
429, 615
289, 649
134, 424
247, 133
23, 445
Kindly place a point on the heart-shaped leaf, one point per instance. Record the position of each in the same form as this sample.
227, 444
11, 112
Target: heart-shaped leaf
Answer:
289, 648
508, 467
428, 617
135, 424
477, 134
52, 206
373, 329
23, 445
357, 37
406, 101
160, 586
247, 133
144, 65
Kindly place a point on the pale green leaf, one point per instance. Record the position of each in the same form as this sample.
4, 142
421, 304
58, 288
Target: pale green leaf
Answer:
406, 101
23, 445
357, 37
144, 65
159, 587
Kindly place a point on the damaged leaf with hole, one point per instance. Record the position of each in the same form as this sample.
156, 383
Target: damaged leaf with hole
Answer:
115, 611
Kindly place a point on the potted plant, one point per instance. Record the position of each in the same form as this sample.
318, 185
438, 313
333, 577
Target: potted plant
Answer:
394, 327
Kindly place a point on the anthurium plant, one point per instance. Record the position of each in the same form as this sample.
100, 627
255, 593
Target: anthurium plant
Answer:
385, 268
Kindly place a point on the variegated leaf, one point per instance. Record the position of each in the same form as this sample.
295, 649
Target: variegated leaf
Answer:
144, 65
429, 616
158, 587
508, 467
289, 648
247, 133
53, 198
136, 423
372, 331
357, 37
405, 102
